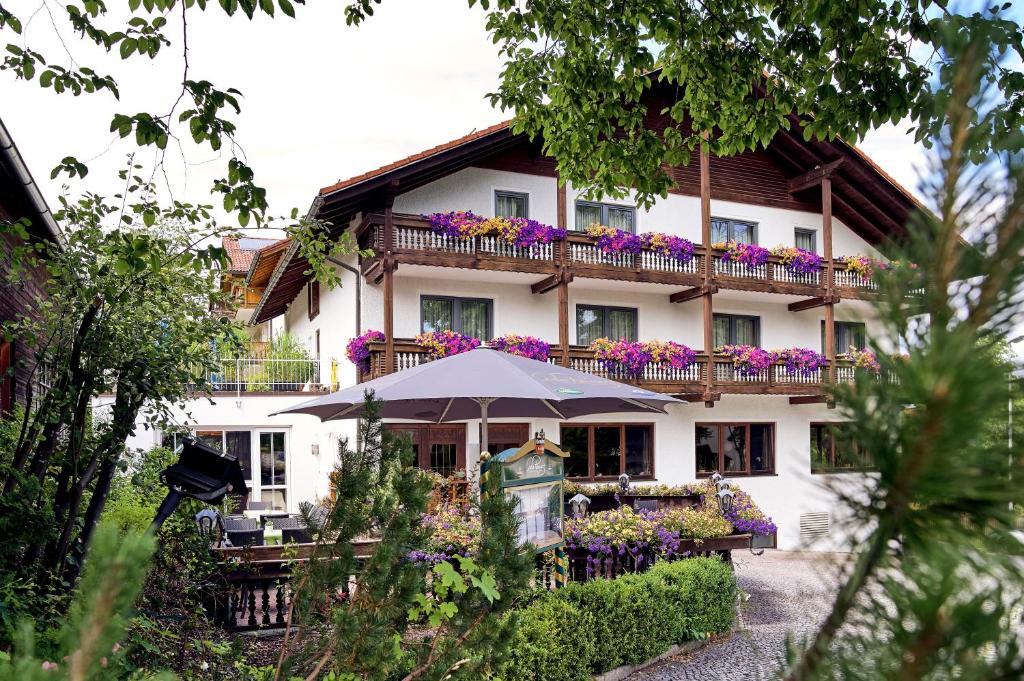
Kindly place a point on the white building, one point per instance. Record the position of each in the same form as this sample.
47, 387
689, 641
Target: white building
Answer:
822, 196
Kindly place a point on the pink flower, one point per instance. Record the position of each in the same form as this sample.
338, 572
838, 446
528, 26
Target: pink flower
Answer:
49, 666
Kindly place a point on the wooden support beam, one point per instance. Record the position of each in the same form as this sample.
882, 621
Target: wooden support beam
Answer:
811, 303
692, 293
703, 397
705, 235
389, 287
814, 177
565, 276
551, 283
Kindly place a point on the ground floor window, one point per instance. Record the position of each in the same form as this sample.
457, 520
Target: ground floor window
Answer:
502, 436
833, 449
735, 448
263, 457
607, 450
437, 448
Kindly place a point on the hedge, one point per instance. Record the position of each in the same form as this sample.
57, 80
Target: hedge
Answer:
593, 627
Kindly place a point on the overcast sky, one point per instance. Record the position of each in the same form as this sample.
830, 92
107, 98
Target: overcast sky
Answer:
322, 101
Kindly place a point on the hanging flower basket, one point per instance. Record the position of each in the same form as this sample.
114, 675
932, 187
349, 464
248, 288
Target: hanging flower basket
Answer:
801, 361
522, 346
751, 255
440, 344
861, 359
358, 351
862, 265
612, 241
797, 260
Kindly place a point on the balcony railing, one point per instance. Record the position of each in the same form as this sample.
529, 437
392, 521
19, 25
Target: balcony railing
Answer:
416, 243
776, 380
270, 375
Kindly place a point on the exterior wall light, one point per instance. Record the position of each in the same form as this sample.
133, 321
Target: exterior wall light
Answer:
624, 483
725, 498
579, 505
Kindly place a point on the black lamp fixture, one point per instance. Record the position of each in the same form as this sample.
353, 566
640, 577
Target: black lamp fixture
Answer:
203, 473
725, 497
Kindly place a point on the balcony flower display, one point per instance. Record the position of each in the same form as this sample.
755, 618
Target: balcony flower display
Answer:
748, 360
453, 532
520, 232
615, 241
750, 255
630, 358
440, 344
862, 265
358, 351
802, 361
798, 260
861, 359
522, 346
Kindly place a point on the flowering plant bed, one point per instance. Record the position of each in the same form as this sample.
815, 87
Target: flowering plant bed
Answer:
358, 351
520, 232
615, 241
750, 255
798, 260
747, 359
522, 346
630, 358
861, 359
440, 344
454, 532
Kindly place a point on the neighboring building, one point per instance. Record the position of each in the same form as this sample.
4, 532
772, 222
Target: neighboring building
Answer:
761, 430
19, 198
251, 261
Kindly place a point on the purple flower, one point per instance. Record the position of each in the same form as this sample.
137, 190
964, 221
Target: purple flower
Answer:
358, 351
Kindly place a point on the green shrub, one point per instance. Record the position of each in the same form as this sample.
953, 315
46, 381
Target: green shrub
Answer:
555, 640
596, 626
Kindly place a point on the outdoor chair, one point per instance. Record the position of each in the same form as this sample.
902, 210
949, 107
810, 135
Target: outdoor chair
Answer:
245, 537
275, 518
299, 535
239, 523
291, 522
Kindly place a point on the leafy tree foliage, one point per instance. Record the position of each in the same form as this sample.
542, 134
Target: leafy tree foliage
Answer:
350, 615
581, 75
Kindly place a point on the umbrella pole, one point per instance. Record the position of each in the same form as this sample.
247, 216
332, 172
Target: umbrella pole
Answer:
484, 402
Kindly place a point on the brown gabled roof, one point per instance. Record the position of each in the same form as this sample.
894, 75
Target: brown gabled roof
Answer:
264, 261
239, 258
475, 135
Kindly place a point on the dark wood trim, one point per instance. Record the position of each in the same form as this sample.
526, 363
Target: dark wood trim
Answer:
814, 177
692, 293
426, 434
389, 289
551, 282
808, 399
705, 235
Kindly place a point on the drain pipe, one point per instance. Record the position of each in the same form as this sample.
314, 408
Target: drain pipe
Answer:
359, 290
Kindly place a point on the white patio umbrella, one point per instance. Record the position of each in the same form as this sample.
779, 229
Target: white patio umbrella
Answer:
485, 383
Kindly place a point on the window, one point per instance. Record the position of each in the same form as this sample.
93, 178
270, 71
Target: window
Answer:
502, 436
848, 335
834, 450
511, 205
437, 448
733, 230
598, 321
235, 442
806, 239
313, 298
735, 329
469, 316
619, 217
735, 448
273, 463
608, 450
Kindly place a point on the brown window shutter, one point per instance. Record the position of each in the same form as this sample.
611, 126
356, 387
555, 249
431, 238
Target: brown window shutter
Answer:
314, 299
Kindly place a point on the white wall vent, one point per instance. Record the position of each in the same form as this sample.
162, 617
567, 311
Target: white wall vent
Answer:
814, 525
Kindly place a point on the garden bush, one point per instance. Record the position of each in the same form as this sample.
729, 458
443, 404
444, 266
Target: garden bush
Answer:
555, 640
593, 627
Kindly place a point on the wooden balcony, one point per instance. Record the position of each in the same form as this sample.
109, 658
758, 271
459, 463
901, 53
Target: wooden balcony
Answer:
416, 244
690, 381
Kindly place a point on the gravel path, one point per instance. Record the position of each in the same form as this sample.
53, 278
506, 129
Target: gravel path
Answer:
789, 594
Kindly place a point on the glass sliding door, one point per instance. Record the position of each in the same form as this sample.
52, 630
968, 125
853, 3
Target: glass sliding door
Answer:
273, 470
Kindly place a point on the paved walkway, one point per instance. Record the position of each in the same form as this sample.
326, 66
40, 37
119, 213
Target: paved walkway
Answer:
789, 594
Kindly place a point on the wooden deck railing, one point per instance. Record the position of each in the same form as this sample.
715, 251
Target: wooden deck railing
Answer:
415, 243
727, 378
